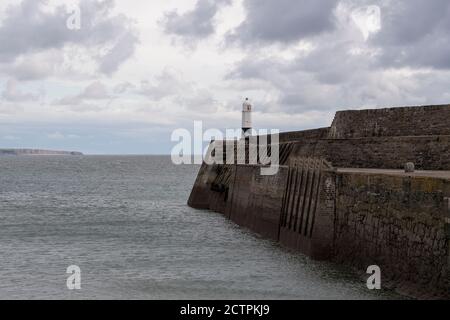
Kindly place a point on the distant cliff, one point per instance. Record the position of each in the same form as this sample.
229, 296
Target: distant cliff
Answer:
31, 152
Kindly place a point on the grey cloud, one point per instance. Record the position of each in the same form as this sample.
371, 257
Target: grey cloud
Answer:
34, 66
29, 28
408, 21
10, 108
253, 68
166, 84
13, 93
333, 63
195, 24
415, 33
200, 100
343, 71
94, 91
122, 51
284, 21
123, 87
297, 91
170, 86
298, 87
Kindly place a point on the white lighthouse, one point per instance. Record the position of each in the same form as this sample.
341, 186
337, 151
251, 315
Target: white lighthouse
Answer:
246, 118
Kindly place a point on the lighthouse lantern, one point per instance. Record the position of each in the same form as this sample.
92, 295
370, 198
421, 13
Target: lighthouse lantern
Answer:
246, 118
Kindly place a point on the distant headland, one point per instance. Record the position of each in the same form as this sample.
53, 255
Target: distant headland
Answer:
38, 152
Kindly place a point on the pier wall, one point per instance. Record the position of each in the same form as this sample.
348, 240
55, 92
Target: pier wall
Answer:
426, 152
401, 224
313, 134
256, 200
398, 221
391, 122
308, 206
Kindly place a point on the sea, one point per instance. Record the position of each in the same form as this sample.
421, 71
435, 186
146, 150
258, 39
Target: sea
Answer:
118, 227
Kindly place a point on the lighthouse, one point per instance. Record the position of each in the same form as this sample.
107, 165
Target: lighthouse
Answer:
246, 118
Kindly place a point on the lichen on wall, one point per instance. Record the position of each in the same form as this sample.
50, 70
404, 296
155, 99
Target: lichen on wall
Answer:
397, 223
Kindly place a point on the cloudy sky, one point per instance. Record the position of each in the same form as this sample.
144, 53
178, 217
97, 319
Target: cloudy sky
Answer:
136, 70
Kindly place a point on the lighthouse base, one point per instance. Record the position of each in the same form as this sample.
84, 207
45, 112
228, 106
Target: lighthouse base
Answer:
246, 132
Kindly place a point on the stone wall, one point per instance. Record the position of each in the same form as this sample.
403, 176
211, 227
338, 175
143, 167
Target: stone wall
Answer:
406, 121
401, 224
397, 223
255, 201
201, 191
313, 134
427, 152
307, 211
248, 198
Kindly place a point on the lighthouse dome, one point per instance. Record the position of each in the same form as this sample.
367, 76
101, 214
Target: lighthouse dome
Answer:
246, 106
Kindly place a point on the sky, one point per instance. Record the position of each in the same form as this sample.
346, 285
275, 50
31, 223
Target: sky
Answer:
118, 77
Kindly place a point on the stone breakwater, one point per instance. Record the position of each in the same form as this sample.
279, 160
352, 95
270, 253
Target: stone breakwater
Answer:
29, 152
340, 194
